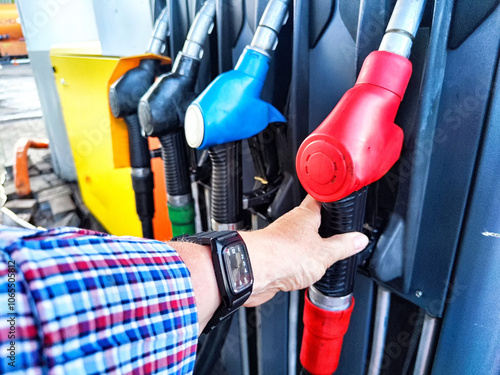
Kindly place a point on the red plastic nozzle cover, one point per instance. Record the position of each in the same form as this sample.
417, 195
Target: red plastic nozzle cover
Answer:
322, 340
358, 142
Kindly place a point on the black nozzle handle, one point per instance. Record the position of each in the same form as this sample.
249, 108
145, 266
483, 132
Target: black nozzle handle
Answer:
142, 177
343, 216
227, 183
143, 185
138, 145
175, 158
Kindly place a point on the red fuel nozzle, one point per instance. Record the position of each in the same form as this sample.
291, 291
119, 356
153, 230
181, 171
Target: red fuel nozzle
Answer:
355, 146
358, 142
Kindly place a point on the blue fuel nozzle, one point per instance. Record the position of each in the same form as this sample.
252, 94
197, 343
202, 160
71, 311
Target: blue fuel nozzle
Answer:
230, 108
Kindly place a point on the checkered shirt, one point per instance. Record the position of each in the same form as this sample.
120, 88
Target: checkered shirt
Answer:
91, 303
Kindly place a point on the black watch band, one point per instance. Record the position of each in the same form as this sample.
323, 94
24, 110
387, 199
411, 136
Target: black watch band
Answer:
232, 268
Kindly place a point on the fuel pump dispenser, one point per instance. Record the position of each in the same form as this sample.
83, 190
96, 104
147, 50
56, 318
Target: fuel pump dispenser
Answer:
124, 96
161, 114
354, 146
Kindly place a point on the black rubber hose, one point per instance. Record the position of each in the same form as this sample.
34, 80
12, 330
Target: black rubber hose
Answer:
138, 145
227, 181
175, 158
142, 177
147, 229
143, 185
343, 216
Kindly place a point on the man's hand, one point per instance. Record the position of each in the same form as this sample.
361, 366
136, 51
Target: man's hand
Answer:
290, 254
287, 255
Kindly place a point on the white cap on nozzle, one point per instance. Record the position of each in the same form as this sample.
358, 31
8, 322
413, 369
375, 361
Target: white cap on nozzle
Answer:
194, 126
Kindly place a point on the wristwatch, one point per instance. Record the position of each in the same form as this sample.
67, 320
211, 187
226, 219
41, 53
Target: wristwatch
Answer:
232, 270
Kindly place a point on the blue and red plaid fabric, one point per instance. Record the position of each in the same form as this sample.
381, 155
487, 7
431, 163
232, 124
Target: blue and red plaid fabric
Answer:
91, 303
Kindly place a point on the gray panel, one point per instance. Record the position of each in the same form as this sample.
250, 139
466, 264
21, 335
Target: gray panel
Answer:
125, 27
470, 335
62, 157
452, 150
49, 22
332, 70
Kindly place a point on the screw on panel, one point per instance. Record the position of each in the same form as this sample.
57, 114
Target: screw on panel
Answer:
418, 293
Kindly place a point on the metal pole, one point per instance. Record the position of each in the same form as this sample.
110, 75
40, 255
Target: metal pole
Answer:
426, 346
293, 322
242, 326
379, 330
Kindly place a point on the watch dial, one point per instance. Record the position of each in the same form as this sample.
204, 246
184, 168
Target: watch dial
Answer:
237, 266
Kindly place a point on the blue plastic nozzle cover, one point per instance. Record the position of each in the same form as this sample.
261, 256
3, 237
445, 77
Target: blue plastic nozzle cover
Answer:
231, 107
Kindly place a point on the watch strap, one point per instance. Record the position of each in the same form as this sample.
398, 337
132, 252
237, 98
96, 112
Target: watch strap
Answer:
202, 238
207, 238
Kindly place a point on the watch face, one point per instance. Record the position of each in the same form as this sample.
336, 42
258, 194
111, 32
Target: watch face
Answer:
238, 267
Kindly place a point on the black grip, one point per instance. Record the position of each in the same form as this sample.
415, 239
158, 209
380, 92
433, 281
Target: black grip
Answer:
227, 183
138, 145
147, 229
143, 185
343, 216
175, 158
143, 182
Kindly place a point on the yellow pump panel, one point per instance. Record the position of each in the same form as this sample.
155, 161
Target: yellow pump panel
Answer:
82, 82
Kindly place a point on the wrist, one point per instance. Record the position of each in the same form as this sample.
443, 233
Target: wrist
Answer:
260, 251
230, 267
198, 260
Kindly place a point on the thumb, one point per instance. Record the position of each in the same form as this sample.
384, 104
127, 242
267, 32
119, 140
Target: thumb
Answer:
345, 245
311, 204
310, 209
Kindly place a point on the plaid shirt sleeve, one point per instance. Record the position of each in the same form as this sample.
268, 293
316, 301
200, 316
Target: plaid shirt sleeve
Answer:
90, 303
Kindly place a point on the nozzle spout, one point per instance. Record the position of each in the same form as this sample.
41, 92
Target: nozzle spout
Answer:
274, 17
160, 33
201, 27
402, 27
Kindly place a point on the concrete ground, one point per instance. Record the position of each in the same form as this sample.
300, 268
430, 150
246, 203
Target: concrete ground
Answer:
20, 112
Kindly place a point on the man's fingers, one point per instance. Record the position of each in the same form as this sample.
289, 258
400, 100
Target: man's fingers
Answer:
345, 245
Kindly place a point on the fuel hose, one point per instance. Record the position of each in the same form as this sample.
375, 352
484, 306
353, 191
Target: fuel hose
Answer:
161, 114
227, 189
124, 96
